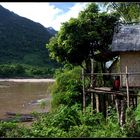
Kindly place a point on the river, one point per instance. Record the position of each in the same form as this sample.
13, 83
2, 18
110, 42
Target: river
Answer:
24, 95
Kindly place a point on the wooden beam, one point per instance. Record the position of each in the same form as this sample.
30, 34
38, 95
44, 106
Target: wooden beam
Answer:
110, 92
103, 88
115, 74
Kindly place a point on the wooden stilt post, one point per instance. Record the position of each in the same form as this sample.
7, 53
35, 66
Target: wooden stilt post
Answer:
92, 83
118, 108
127, 88
136, 99
84, 94
92, 72
106, 104
92, 102
122, 115
97, 102
133, 99
112, 100
103, 105
120, 81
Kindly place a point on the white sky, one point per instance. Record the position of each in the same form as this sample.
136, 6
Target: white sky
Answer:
45, 13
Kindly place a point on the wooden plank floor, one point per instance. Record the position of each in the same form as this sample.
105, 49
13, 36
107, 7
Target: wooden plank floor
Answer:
109, 90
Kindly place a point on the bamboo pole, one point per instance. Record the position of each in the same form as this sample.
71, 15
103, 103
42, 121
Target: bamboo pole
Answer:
92, 83
105, 111
127, 87
92, 102
92, 74
120, 81
136, 99
97, 102
84, 94
122, 115
133, 102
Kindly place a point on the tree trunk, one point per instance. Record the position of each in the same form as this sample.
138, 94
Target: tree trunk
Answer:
103, 71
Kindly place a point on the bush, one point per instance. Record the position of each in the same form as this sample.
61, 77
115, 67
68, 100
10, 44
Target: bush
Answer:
6, 127
132, 126
62, 117
20, 70
80, 131
70, 122
67, 89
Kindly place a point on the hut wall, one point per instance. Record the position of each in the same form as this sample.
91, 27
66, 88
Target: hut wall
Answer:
132, 61
115, 67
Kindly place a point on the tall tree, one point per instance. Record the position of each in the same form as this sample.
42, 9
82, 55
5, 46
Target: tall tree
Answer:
83, 37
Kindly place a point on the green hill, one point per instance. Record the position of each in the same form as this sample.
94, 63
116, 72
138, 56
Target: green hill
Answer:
23, 41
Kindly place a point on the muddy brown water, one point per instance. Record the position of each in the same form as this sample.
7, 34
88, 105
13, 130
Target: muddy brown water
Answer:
24, 97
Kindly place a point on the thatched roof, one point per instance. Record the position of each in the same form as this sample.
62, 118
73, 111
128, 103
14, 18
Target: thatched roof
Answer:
127, 39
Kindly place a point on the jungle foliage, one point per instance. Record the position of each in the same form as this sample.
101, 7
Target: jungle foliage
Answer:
66, 119
128, 11
20, 70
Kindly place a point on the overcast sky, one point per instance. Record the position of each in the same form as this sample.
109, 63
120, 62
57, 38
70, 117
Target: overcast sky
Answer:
49, 14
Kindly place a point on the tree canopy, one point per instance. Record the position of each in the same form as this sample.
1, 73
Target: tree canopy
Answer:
83, 37
128, 11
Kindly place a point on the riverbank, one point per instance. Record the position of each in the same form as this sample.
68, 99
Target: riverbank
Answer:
26, 80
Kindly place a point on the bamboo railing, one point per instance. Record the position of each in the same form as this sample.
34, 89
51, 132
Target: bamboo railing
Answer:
95, 92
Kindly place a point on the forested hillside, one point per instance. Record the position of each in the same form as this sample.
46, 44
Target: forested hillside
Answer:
23, 41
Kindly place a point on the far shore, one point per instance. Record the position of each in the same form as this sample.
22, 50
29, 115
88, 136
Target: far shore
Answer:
26, 80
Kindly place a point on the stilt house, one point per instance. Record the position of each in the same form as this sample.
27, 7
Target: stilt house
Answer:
126, 42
